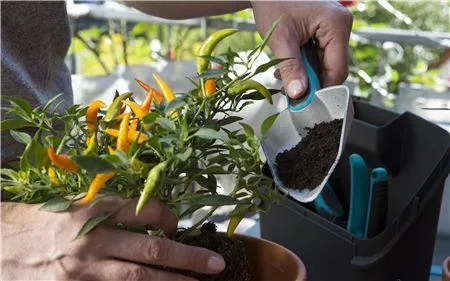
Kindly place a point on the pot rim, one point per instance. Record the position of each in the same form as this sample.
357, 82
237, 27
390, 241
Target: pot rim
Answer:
446, 267
297, 260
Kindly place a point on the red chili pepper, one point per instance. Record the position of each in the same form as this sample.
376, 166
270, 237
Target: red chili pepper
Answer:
62, 161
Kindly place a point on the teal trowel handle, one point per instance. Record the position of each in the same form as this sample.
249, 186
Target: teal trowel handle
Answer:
313, 86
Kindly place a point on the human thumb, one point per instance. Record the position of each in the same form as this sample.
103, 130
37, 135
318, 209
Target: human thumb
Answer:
292, 70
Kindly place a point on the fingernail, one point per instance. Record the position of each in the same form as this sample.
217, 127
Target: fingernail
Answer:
216, 264
295, 89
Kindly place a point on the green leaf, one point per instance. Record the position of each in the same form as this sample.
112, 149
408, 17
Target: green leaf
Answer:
52, 100
92, 222
21, 103
217, 200
14, 123
247, 129
264, 67
56, 204
166, 124
212, 73
185, 155
210, 134
269, 34
214, 169
34, 155
174, 105
241, 210
214, 59
268, 122
21, 137
151, 117
255, 95
10, 173
229, 120
209, 182
94, 164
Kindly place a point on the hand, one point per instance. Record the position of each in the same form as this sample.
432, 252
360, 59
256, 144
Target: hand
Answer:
327, 21
38, 245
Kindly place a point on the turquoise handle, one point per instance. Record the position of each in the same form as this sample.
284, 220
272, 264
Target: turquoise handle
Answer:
313, 86
359, 195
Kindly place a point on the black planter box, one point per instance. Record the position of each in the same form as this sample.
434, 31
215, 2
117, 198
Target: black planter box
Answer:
417, 155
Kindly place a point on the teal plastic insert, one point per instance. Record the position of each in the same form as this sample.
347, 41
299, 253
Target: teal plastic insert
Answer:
313, 86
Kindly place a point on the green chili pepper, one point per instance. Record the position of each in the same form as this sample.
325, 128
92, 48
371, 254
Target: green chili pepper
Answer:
116, 106
242, 86
155, 181
208, 46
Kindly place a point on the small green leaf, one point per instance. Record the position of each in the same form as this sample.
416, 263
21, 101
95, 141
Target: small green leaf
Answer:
21, 137
267, 123
174, 105
92, 222
229, 120
52, 100
214, 59
14, 123
248, 129
166, 124
217, 200
21, 103
151, 117
264, 67
34, 155
209, 182
212, 73
56, 204
94, 164
241, 210
185, 155
214, 169
210, 134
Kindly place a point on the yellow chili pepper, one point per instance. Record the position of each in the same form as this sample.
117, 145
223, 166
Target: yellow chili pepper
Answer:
115, 107
150, 91
62, 161
122, 139
165, 89
97, 183
110, 150
134, 125
210, 87
91, 145
233, 224
138, 111
52, 175
132, 135
91, 114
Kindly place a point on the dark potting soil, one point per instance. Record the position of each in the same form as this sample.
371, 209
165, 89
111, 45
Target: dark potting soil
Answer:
305, 165
232, 250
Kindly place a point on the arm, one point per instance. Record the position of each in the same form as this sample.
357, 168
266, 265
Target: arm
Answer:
187, 9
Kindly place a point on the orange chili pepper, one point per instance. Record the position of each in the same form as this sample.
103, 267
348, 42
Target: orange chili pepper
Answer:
210, 87
148, 101
52, 175
156, 94
165, 89
122, 139
91, 114
136, 108
132, 135
62, 161
97, 183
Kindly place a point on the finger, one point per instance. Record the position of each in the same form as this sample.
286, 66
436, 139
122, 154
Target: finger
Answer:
285, 43
121, 270
277, 74
162, 251
154, 213
292, 70
335, 62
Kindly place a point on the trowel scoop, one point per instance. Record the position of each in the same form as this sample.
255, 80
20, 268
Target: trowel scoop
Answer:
319, 105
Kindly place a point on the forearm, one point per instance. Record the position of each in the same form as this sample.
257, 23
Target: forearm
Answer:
187, 9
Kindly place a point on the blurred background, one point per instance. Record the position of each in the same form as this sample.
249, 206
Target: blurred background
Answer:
399, 59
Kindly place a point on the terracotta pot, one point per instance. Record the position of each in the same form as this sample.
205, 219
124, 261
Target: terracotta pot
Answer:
446, 270
270, 261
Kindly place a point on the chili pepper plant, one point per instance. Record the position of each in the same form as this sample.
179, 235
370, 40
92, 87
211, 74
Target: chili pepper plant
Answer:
169, 146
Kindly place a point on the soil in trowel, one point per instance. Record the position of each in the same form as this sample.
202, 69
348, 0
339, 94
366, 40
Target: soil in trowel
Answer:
232, 250
305, 165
